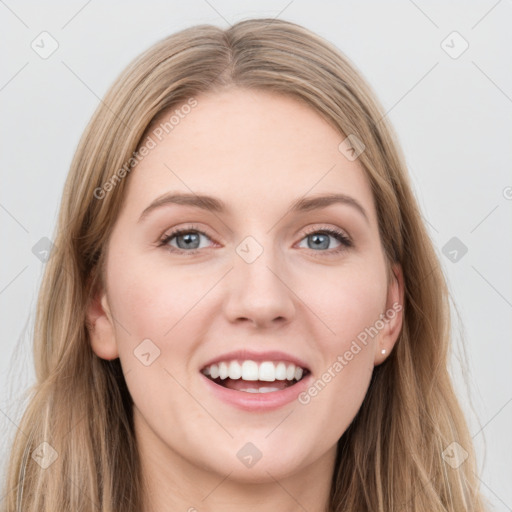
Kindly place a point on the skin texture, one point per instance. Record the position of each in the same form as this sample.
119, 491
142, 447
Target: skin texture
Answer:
258, 152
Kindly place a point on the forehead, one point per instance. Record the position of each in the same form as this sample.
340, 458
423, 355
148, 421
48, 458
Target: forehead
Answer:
248, 147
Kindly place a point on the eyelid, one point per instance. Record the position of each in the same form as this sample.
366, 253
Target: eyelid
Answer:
327, 228
171, 233
187, 227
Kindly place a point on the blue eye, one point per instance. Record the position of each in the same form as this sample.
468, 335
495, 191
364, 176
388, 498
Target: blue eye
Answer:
189, 239
320, 240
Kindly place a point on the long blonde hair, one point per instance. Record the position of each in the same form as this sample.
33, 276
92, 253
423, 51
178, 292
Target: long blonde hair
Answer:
390, 458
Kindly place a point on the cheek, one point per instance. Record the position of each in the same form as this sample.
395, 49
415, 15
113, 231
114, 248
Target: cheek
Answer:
349, 301
162, 305
164, 310
150, 303
349, 304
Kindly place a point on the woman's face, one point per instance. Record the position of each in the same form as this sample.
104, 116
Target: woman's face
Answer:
257, 280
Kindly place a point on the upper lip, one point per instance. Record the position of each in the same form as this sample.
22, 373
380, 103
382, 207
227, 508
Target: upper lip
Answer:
272, 355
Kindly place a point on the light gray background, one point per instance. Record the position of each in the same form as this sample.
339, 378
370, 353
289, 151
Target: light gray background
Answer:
453, 117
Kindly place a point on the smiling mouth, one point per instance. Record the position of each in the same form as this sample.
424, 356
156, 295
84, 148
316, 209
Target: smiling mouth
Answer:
251, 377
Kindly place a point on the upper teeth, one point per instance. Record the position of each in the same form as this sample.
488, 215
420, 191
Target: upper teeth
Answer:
251, 370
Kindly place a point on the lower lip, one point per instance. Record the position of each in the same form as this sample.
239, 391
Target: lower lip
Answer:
258, 401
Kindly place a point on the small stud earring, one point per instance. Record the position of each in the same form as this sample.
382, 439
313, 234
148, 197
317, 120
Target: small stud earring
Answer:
383, 351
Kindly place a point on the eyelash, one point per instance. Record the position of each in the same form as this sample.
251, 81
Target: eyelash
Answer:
338, 235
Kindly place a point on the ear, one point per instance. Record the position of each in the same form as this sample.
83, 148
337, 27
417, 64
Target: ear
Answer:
392, 317
101, 326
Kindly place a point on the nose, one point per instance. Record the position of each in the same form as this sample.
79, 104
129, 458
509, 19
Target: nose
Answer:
259, 292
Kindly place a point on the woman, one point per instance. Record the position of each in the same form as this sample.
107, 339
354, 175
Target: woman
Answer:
243, 308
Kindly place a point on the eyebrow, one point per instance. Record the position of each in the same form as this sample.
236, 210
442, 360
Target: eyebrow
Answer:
216, 205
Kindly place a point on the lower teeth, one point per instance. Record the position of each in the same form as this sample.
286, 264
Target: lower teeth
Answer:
259, 390
252, 389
